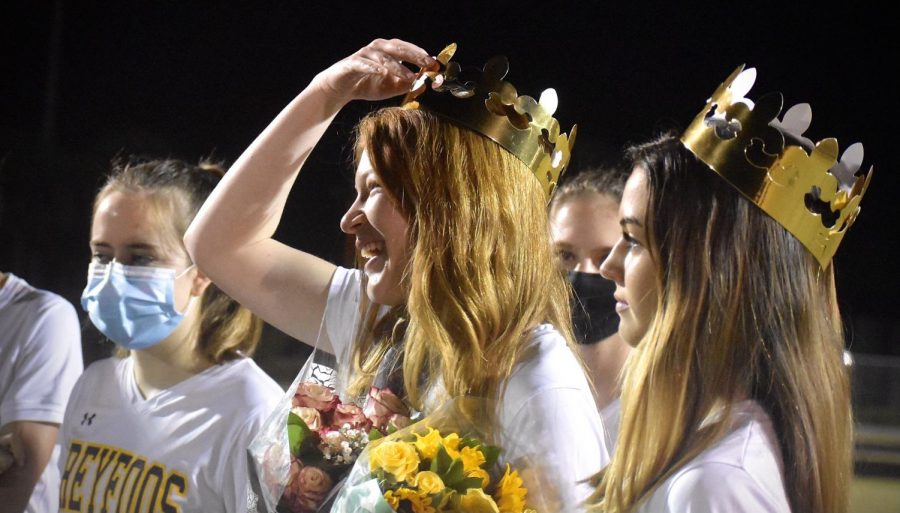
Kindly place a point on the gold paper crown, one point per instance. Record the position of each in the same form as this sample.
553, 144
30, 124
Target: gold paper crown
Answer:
808, 191
480, 100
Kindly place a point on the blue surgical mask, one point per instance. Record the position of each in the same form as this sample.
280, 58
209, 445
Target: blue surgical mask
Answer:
133, 306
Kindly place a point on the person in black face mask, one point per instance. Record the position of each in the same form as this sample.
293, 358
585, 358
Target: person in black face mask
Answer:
584, 223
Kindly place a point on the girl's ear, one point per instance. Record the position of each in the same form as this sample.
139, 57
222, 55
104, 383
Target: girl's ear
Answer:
200, 282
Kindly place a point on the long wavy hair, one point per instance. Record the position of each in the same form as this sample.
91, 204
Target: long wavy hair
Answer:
481, 272
176, 190
744, 311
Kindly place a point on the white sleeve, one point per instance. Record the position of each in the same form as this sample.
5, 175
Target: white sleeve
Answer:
46, 367
342, 312
558, 436
235, 485
550, 425
717, 488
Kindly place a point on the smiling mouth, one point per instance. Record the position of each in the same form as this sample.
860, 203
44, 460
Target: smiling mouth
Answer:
371, 249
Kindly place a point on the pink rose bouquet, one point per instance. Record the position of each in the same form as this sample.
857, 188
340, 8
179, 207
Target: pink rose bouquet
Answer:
307, 487
326, 436
314, 395
382, 405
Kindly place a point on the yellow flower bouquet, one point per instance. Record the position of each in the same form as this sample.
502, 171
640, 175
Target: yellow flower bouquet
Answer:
440, 465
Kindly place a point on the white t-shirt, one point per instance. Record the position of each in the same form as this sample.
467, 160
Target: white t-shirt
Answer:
742, 473
547, 415
184, 449
40, 360
612, 418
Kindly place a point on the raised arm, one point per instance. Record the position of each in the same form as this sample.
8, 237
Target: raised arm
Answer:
231, 237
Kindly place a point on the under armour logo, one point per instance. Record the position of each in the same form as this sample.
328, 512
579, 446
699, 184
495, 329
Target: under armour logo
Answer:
88, 419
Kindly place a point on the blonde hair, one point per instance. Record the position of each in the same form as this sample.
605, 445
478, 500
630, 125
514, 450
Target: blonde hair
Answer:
746, 311
176, 189
481, 272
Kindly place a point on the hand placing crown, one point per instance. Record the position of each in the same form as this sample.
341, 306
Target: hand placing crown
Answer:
801, 184
480, 100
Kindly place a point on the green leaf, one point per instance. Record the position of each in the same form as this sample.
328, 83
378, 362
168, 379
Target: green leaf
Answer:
454, 474
491, 453
441, 462
440, 499
469, 482
297, 431
386, 480
374, 434
469, 442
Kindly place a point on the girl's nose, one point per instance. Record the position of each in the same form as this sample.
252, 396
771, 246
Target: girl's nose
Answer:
352, 218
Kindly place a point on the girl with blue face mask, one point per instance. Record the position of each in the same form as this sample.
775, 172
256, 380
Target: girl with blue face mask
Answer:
179, 404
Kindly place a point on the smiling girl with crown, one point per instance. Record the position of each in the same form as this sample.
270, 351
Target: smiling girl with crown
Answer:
459, 276
736, 398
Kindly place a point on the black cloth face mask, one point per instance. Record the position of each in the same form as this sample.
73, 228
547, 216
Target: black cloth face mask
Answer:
594, 316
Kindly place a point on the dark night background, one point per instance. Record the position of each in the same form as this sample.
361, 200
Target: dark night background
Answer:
84, 82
